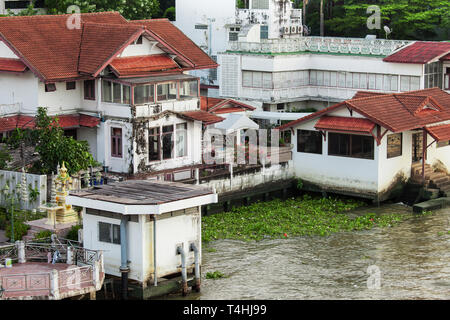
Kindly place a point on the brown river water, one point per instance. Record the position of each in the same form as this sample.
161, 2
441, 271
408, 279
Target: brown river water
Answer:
410, 260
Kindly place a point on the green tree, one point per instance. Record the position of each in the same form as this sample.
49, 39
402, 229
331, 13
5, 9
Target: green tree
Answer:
4, 157
130, 9
170, 13
408, 19
54, 147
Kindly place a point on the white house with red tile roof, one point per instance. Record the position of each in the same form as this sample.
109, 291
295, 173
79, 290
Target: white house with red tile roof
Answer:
369, 145
121, 85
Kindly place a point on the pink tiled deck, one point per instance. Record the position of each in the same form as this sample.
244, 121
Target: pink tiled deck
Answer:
33, 279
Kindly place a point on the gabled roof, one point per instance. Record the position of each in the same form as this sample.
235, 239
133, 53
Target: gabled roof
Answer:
101, 42
221, 106
446, 58
236, 122
137, 65
55, 52
170, 35
203, 116
12, 65
420, 52
397, 112
365, 94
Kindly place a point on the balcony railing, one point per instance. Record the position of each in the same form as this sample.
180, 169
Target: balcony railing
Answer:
320, 44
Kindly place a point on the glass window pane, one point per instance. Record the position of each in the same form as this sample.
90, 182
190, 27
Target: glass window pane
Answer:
106, 91
326, 78
394, 83
117, 93
309, 141
257, 79
247, 79
379, 82
104, 232
404, 83
333, 79
372, 81
167, 142
154, 144
116, 234
415, 83
341, 79
126, 94
313, 77
267, 80
363, 81
348, 80
355, 80
181, 140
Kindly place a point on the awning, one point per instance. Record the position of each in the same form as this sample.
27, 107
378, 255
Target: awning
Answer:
65, 121
439, 133
345, 124
129, 66
12, 65
203, 116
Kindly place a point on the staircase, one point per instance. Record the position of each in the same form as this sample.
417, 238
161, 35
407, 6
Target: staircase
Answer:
433, 179
32, 233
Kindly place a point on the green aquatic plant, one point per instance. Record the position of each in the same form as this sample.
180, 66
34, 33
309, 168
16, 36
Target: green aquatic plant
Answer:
303, 216
214, 275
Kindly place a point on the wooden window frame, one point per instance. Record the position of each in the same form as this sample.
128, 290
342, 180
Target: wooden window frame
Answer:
89, 89
116, 143
395, 155
314, 134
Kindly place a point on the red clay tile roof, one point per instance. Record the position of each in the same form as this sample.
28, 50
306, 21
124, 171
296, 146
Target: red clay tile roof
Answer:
132, 66
222, 106
420, 52
54, 52
102, 42
64, 121
345, 124
177, 40
397, 112
200, 115
12, 65
365, 94
440, 133
46, 45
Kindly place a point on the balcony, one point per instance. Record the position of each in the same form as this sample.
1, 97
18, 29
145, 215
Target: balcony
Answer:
377, 47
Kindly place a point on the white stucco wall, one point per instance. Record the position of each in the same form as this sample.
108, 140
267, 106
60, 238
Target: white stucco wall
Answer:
171, 232
62, 100
5, 51
335, 172
89, 135
21, 88
146, 48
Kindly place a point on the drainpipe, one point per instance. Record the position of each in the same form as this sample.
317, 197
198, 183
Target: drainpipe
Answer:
154, 251
183, 270
194, 248
124, 269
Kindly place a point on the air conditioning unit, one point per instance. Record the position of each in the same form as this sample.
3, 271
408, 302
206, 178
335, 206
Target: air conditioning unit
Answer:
300, 29
285, 30
293, 30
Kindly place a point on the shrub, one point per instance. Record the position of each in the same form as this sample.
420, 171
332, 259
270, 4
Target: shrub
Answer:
20, 230
43, 234
73, 233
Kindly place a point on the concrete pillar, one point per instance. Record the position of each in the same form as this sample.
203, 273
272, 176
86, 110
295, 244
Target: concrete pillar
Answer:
69, 255
54, 284
197, 176
96, 275
124, 269
20, 245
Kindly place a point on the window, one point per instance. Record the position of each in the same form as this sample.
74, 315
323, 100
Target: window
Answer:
433, 75
71, 133
117, 92
89, 89
167, 91
106, 91
443, 144
71, 85
394, 145
126, 93
348, 145
233, 36
309, 141
144, 94
108, 232
181, 140
260, 4
201, 27
189, 89
17, 4
167, 142
213, 71
50, 87
264, 32
116, 142
154, 144
408, 83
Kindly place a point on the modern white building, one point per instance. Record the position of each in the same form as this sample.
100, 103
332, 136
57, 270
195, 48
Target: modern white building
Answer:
370, 145
213, 24
121, 85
